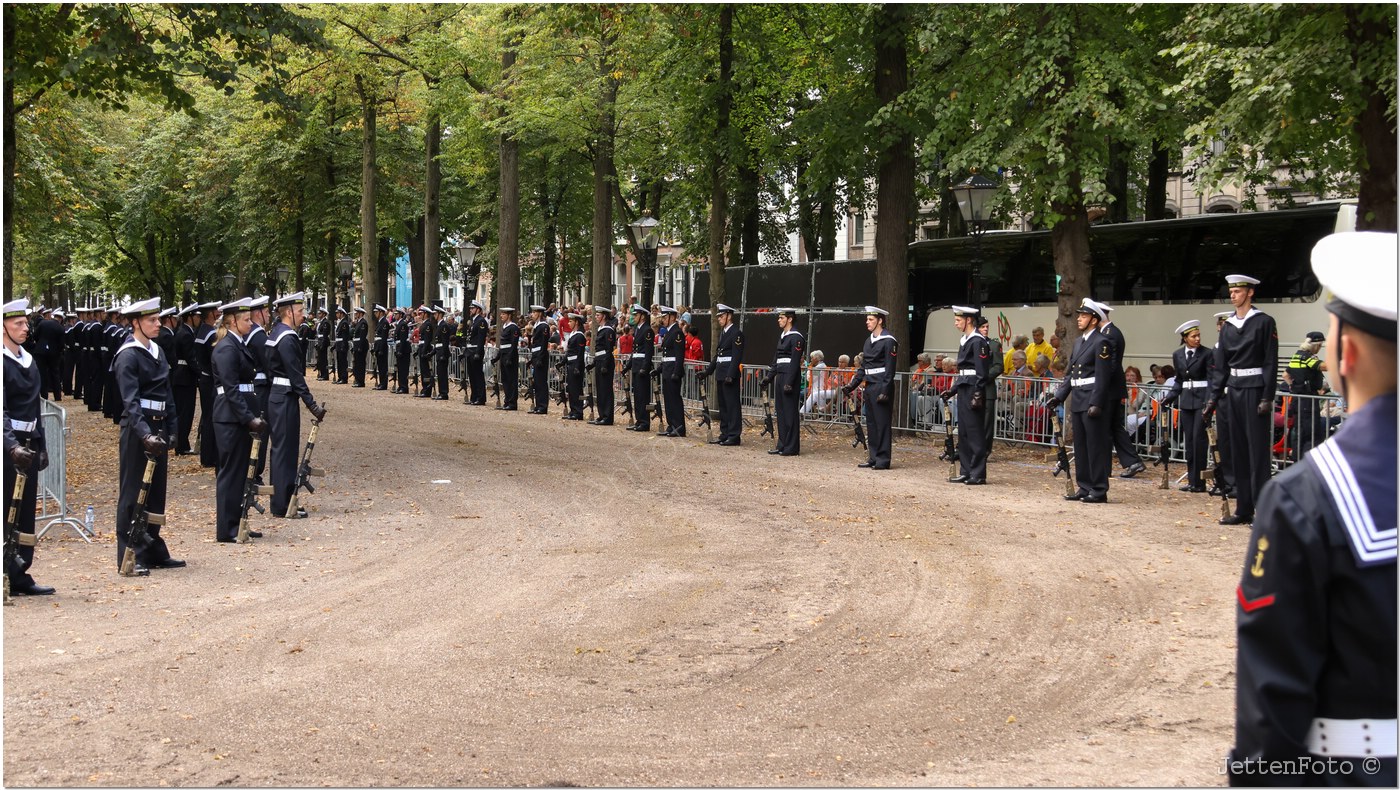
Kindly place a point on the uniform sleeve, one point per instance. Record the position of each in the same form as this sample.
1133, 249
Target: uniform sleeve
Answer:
288, 349
1103, 373
1282, 635
1270, 341
226, 376
1217, 373
128, 378
982, 362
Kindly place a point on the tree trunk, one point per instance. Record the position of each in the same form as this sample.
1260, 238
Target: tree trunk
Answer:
332, 252
746, 214
1376, 200
413, 233
603, 234
508, 252
299, 251
1157, 170
385, 255
1069, 242
826, 222
894, 199
432, 216
9, 175
1116, 181
719, 198
369, 223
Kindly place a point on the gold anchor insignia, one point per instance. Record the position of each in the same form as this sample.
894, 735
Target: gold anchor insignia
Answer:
1257, 569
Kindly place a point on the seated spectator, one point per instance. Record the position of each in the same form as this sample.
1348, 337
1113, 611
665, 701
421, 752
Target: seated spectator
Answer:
1019, 344
921, 400
820, 389
1138, 409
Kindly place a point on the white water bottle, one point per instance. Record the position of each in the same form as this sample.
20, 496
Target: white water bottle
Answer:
87, 519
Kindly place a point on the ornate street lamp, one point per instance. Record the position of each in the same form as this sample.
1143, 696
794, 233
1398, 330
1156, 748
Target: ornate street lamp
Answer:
346, 265
975, 204
189, 290
466, 253
646, 230
228, 286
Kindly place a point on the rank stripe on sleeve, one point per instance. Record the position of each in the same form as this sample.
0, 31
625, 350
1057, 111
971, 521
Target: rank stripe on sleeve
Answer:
1371, 546
1256, 604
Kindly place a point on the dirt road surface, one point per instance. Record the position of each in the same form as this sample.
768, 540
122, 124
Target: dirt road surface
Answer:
492, 598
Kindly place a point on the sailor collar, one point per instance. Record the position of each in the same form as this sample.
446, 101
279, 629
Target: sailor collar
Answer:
877, 337
25, 359
787, 332
1239, 322
153, 349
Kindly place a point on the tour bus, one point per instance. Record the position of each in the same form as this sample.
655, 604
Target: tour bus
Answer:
1157, 275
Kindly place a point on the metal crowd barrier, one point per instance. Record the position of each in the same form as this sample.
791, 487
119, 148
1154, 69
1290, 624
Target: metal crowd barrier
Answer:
53, 481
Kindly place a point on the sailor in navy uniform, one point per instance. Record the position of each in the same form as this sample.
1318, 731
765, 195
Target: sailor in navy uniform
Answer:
427, 329
445, 329
25, 446
359, 346
116, 335
236, 420
974, 371
539, 359
1090, 379
142, 374
184, 378
508, 359
341, 341
73, 356
643, 345
1189, 393
672, 373
262, 385
575, 359
785, 377
604, 347
1128, 457
879, 357
727, 369
96, 374
474, 330
1247, 359
381, 346
204, 334
48, 337
323, 344
166, 338
1316, 624
289, 391
403, 351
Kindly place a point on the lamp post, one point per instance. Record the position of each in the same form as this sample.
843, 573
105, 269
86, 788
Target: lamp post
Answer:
346, 265
228, 286
282, 272
466, 253
974, 203
189, 290
645, 231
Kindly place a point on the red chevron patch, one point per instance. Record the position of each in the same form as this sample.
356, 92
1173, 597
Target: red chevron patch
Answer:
1257, 603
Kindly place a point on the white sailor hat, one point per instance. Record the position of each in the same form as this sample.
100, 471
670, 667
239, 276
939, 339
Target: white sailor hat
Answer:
169, 312
1359, 269
959, 311
597, 308
380, 308
297, 298
322, 309
537, 308
339, 310
1099, 307
667, 310
723, 308
1224, 314
60, 314
143, 308
873, 310
478, 305
1090, 307
790, 312
207, 306
186, 310
1188, 326
637, 308
579, 317
238, 305
17, 308
437, 308
359, 309
257, 303
1244, 280
510, 310
114, 307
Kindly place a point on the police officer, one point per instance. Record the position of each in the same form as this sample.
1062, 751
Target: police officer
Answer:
975, 357
1127, 454
1090, 379
359, 346
443, 333
539, 359
1316, 624
323, 344
1305, 378
403, 351
289, 390
879, 357
1247, 358
672, 372
236, 420
184, 378
508, 358
575, 361
727, 368
474, 330
994, 371
149, 416
643, 346
785, 377
204, 335
1189, 393
604, 346
25, 447
381, 347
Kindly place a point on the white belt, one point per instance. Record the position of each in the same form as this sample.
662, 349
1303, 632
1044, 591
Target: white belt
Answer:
967, 372
668, 359
440, 345
572, 357
783, 361
507, 345
1246, 371
279, 381
536, 349
723, 359
1083, 382
1194, 385
873, 371
153, 405
1358, 738
600, 353
241, 388
469, 345
260, 377
182, 362
27, 427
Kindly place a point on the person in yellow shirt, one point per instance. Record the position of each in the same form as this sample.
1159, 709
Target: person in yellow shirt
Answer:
1039, 346
1018, 344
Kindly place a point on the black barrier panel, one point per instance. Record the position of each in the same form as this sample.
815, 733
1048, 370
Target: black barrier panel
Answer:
846, 283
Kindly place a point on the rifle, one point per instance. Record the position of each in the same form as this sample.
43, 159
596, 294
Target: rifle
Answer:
705, 412
563, 399
305, 472
137, 537
1061, 454
496, 385
198, 436
950, 450
855, 421
13, 537
627, 390
1164, 449
251, 490
768, 412
1214, 471
656, 400
413, 366
588, 396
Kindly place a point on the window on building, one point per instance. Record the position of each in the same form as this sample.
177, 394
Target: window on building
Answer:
858, 230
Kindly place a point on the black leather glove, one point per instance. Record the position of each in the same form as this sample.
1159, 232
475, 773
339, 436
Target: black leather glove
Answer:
656, 374
43, 461
675, 377
21, 457
946, 394
155, 444
1095, 412
847, 389
257, 426
979, 400
1208, 411
882, 398
1053, 402
1265, 406
318, 411
1169, 399
728, 379
787, 388
702, 373
767, 379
